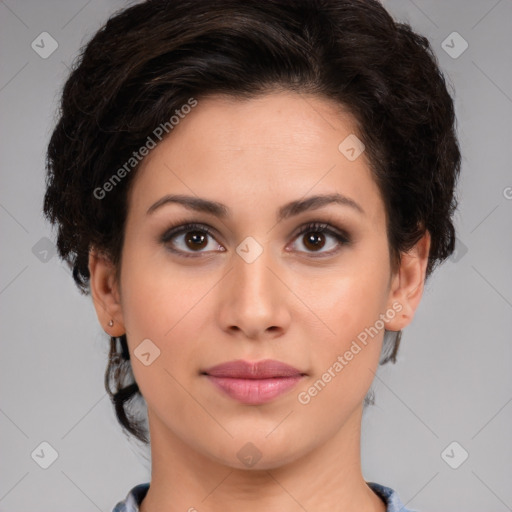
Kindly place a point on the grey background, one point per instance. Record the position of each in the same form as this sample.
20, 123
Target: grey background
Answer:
453, 379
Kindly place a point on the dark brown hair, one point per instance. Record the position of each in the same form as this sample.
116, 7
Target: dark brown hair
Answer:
149, 59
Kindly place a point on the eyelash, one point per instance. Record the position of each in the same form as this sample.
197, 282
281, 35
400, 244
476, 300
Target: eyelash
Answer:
317, 227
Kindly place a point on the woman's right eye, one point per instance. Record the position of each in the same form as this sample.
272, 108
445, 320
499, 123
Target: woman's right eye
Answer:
188, 239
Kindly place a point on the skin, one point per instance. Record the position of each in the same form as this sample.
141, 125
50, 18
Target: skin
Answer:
289, 304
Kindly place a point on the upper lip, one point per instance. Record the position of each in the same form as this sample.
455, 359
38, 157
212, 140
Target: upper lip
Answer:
264, 369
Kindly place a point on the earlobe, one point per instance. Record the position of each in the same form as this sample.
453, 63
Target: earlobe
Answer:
105, 293
408, 284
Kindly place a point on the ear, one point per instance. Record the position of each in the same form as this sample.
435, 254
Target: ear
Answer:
407, 284
105, 293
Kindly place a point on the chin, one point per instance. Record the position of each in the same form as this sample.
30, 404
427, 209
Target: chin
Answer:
254, 453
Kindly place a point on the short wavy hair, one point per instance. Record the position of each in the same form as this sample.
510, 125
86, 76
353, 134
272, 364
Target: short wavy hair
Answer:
150, 58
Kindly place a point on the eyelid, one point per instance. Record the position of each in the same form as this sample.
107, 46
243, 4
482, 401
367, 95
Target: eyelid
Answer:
181, 227
323, 227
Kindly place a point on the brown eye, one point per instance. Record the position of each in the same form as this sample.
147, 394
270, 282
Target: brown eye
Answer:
188, 239
196, 239
314, 241
316, 235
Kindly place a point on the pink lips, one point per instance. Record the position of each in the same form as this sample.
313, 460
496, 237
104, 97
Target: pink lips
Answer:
254, 383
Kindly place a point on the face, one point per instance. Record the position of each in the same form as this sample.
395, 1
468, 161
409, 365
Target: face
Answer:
277, 276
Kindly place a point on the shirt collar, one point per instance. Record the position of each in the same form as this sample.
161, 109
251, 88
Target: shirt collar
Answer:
136, 495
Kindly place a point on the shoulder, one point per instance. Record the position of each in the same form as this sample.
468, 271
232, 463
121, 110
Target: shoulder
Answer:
390, 497
133, 499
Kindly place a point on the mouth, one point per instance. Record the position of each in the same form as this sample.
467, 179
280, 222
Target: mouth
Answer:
253, 383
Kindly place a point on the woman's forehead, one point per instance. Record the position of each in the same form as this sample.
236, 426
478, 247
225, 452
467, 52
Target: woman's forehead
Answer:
278, 142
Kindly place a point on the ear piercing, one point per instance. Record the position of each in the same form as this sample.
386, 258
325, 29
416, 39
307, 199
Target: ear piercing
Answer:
111, 323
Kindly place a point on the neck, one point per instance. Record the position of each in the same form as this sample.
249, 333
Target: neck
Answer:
326, 478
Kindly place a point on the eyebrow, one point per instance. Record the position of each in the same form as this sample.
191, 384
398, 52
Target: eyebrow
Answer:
288, 210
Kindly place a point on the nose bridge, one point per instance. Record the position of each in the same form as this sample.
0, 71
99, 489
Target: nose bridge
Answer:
254, 281
254, 300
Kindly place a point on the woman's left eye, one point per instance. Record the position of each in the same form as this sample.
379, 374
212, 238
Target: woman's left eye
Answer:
317, 233
194, 238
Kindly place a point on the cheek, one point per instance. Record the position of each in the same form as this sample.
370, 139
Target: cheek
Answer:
165, 309
347, 301
343, 363
349, 344
169, 306
155, 296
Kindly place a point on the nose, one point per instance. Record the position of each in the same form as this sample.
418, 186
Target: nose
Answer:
255, 300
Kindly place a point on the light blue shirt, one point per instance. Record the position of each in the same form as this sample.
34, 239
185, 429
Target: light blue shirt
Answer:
137, 494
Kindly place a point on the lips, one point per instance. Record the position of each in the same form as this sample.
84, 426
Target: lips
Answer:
265, 369
254, 383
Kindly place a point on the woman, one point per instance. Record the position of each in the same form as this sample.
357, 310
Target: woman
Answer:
254, 194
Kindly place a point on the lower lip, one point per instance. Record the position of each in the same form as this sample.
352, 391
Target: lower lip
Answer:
255, 391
